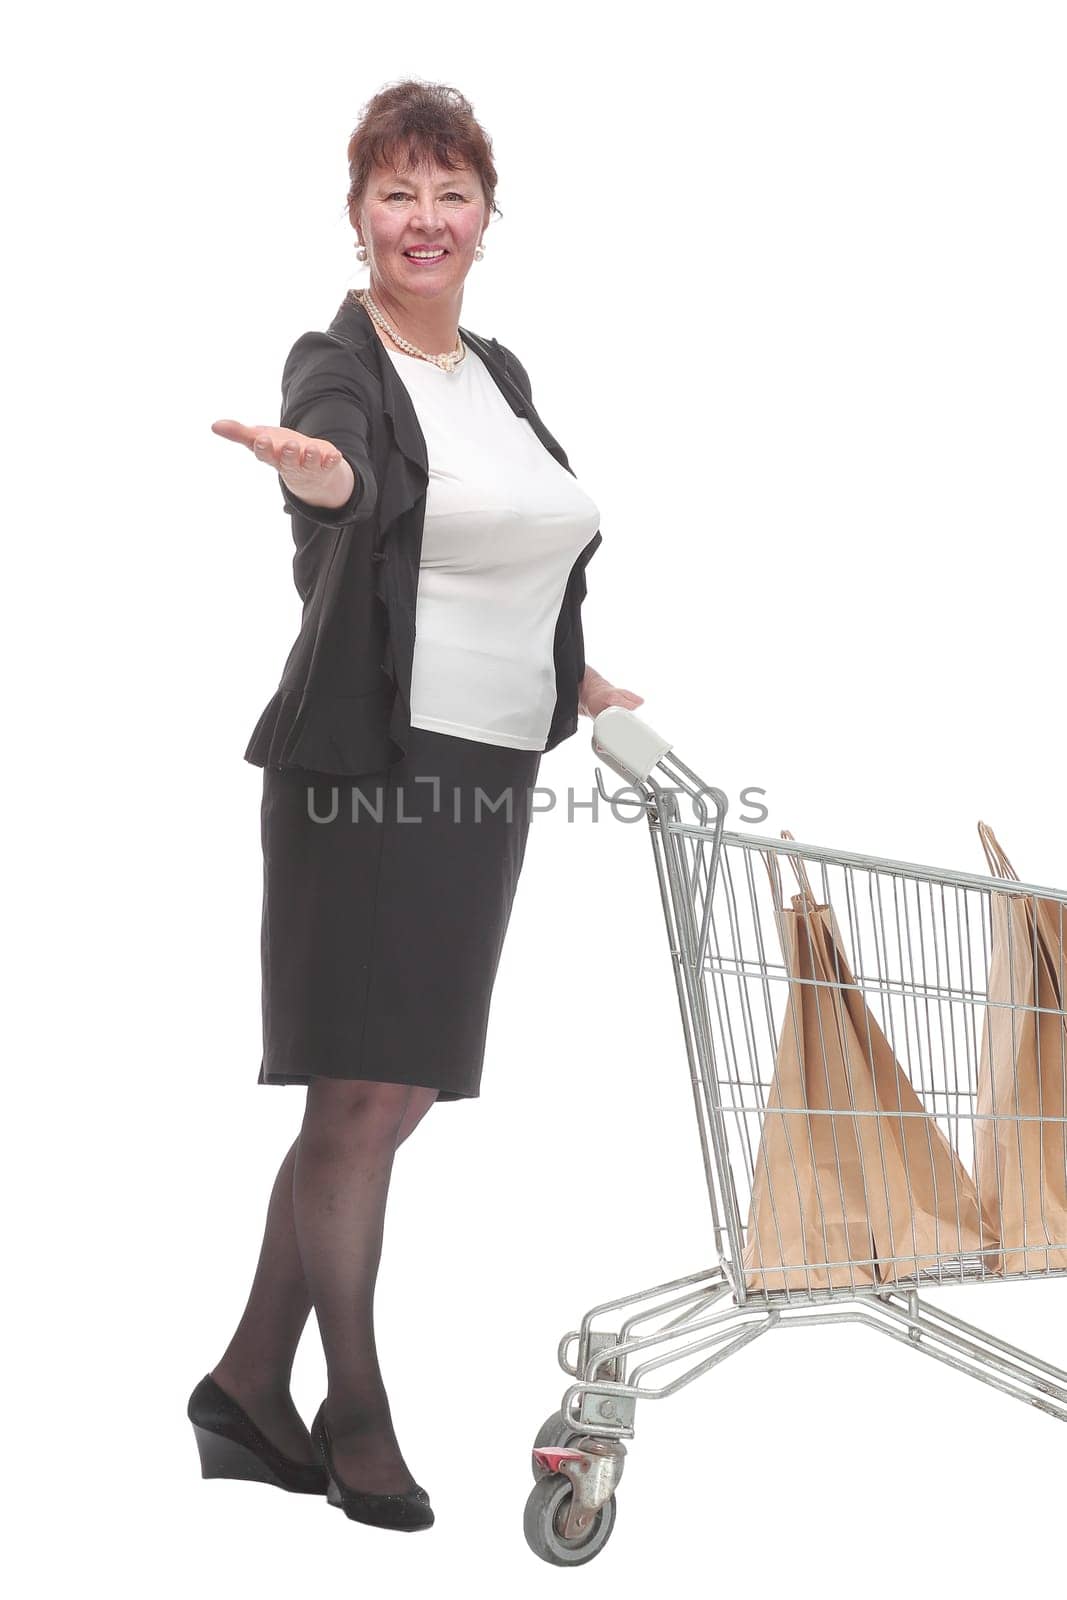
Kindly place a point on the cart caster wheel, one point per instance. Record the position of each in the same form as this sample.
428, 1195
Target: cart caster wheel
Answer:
556, 1433
546, 1513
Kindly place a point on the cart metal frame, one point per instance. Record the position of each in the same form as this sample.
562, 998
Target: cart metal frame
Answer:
920, 941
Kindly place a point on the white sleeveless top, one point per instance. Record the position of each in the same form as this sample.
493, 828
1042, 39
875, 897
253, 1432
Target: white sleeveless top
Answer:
504, 524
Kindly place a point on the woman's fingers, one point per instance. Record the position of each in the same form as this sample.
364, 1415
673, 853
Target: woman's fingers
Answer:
293, 452
227, 428
280, 447
621, 697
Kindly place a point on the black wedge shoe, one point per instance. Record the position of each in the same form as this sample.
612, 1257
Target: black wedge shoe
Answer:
231, 1446
405, 1512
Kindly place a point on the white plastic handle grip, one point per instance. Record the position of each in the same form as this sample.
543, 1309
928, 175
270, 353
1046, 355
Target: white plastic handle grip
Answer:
626, 744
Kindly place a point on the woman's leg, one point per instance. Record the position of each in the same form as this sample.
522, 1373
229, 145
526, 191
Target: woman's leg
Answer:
257, 1365
344, 1163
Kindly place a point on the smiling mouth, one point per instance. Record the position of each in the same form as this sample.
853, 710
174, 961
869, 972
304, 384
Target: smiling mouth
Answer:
423, 258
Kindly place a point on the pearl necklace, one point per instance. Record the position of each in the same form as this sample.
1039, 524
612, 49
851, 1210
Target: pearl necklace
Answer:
447, 362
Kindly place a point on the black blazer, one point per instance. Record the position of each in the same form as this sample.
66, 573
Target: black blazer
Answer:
343, 703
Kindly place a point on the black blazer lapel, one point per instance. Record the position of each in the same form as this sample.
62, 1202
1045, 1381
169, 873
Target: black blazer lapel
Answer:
404, 487
495, 357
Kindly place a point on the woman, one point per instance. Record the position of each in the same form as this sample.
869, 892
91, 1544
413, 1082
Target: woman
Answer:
423, 488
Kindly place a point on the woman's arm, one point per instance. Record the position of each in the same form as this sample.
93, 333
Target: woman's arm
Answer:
321, 449
596, 693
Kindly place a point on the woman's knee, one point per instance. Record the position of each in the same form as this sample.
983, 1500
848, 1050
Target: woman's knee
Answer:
419, 1102
349, 1107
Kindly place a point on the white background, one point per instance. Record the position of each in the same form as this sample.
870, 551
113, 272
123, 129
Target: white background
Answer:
788, 281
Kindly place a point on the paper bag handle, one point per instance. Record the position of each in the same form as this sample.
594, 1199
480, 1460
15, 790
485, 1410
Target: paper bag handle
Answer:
799, 870
999, 864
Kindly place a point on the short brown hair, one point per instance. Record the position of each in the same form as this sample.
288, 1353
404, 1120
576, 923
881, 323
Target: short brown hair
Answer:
412, 122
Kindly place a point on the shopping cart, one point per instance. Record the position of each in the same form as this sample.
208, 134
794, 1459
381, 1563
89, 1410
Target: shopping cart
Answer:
914, 948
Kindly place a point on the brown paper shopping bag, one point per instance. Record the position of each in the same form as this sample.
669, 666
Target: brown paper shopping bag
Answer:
1021, 1132
864, 1193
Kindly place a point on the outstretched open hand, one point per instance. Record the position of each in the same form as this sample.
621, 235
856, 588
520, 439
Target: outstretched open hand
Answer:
311, 468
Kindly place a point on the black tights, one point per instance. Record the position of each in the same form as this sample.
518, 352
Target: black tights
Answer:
321, 1248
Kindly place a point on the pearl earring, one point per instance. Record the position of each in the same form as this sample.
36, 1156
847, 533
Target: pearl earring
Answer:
361, 252
479, 254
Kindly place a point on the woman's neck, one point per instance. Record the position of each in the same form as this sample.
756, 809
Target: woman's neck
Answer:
431, 327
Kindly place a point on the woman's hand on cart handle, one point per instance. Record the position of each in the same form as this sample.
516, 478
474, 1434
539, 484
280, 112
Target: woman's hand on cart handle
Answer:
596, 694
312, 469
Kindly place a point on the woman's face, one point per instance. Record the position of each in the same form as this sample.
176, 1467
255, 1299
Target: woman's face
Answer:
428, 210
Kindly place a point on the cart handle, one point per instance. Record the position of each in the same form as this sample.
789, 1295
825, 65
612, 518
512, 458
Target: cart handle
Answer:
626, 744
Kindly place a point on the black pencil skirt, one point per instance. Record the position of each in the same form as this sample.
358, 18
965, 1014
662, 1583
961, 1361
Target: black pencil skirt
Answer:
386, 898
